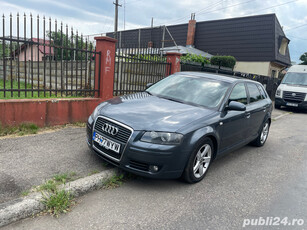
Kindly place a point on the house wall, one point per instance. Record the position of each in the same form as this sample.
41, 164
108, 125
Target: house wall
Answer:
37, 55
261, 68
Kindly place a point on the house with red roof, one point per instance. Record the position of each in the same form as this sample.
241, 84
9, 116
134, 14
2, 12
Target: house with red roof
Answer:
35, 50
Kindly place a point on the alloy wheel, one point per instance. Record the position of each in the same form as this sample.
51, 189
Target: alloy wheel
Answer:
202, 160
264, 133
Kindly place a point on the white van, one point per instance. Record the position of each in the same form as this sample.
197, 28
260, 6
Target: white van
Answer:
292, 92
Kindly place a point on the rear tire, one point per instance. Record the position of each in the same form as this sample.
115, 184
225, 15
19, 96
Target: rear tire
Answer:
263, 135
199, 162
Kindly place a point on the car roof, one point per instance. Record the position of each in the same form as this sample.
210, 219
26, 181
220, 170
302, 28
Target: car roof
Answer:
298, 69
219, 77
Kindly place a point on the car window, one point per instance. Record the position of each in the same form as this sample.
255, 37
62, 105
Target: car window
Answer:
196, 90
254, 93
263, 94
239, 94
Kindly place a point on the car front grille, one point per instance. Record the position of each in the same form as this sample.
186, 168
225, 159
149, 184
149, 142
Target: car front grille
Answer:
121, 137
293, 96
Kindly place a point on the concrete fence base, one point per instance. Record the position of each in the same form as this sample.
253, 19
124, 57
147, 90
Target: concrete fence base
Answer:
46, 112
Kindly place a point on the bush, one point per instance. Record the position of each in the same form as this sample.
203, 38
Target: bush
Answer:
195, 58
225, 61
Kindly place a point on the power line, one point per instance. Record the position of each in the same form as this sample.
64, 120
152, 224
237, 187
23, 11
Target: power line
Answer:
133, 1
206, 8
296, 27
275, 6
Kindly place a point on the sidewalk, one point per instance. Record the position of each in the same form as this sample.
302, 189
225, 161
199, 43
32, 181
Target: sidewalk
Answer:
30, 160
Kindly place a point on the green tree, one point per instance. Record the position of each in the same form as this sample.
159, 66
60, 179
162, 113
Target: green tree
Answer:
303, 58
61, 42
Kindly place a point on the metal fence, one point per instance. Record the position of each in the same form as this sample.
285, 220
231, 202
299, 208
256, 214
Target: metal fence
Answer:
269, 83
136, 66
39, 58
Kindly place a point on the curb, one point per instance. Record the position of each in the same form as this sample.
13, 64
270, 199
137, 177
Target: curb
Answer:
25, 207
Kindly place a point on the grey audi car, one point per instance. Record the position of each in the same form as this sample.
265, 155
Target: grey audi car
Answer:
179, 125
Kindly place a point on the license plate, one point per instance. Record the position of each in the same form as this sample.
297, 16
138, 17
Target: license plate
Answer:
292, 104
106, 143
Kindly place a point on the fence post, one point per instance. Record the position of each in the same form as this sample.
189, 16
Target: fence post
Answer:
105, 77
174, 59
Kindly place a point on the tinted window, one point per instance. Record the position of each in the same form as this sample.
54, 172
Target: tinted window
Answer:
254, 93
239, 94
191, 89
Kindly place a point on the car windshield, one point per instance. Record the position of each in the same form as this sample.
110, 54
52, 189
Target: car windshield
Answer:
190, 89
292, 78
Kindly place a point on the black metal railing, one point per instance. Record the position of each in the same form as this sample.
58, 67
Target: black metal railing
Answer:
39, 58
136, 66
270, 83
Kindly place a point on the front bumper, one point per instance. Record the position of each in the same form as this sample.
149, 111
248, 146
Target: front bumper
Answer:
140, 157
282, 102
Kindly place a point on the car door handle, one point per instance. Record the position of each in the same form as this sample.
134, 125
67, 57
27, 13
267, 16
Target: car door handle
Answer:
248, 115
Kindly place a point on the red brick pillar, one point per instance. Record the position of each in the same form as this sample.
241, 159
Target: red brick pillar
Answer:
174, 59
106, 46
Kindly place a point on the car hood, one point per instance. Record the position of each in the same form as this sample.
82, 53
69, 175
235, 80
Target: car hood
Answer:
293, 88
142, 111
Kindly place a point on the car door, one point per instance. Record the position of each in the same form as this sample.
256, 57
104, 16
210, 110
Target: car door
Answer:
234, 123
256, 110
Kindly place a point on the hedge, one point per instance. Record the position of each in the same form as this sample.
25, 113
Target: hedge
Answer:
195, 58
225, 61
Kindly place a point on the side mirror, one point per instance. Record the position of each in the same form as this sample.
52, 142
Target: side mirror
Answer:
148, 85
236, 106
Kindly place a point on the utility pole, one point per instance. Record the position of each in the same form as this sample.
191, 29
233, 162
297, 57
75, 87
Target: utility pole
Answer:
124, 14
116, 18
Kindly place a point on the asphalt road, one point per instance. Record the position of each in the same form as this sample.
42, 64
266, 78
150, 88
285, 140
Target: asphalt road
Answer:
249, 183
30, 160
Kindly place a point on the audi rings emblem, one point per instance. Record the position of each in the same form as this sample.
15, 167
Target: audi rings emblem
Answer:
110, 129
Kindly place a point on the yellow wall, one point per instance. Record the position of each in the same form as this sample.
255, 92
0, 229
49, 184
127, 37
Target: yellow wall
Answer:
261, 68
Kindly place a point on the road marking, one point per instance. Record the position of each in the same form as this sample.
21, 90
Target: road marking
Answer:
280, 116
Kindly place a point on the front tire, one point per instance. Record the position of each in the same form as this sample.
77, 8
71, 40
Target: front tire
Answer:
263, 135
199, 162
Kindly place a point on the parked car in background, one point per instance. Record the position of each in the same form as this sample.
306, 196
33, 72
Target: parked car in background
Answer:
179, 125
292, 92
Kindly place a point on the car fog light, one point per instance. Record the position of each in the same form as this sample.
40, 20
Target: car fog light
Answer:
153, 168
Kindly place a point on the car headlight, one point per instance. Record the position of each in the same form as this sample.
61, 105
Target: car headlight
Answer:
278, 93
96, 110
162, 138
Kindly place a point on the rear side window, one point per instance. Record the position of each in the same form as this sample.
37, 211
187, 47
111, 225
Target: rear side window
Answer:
262, 92
239, 94
254, 93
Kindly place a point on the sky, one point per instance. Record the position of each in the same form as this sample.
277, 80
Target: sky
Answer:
92, 17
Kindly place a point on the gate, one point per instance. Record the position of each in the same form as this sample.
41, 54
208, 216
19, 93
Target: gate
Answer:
44, 59
135, 67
